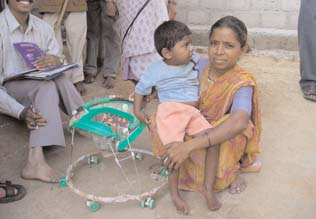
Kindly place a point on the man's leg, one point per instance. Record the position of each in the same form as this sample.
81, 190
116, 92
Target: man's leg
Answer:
44, 98
307, 46
69, 96
112, 53
76, 31
93, 37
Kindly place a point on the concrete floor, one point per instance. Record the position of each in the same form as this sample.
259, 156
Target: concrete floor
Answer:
284, 189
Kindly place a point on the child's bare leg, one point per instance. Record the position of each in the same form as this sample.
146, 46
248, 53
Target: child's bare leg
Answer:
211, 163
180, 204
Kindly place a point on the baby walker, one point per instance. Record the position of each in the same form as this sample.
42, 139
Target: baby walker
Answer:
110, 119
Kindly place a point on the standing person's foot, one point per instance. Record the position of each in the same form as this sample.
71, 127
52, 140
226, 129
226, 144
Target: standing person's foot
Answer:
212, 202
181, 206
89, 78
238, 185
309, 91
80, 88
37, 168
108, 82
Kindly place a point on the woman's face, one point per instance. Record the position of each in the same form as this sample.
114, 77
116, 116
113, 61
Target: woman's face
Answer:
224, 49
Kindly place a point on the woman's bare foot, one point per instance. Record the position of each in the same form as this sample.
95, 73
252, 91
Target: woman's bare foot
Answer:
37, 168
181, 206
108, 82
212, 202
238, 185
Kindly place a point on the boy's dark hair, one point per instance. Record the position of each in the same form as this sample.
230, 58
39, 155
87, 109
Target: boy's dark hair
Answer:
235, 25
169, 33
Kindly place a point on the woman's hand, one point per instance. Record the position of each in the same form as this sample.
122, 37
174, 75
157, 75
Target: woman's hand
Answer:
33, 120
172, 9
175, 154
47, 62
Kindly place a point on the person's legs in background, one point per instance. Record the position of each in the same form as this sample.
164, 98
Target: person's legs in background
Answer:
111, 45
307, 48
72, 36
93, 39
76, 31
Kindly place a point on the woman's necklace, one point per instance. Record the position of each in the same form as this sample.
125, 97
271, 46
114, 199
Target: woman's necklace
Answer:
211, 77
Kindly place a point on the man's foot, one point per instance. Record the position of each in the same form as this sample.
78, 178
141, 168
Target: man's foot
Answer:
309, 91
212, 202
181, 206
37, 168
238, 185
89, 78
80, 88
108, 82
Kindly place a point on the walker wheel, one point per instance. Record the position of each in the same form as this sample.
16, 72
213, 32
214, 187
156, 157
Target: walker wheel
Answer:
143, 203
139, 156
163, 172
63, 182
148, 202
93, 206
152, 204
93, 159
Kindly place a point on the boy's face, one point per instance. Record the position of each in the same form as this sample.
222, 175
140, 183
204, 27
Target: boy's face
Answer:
182, 52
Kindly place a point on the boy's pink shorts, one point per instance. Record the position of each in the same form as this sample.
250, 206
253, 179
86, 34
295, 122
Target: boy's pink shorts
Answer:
175, 120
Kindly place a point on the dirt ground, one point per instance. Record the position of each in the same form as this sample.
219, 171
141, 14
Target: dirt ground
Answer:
285, 188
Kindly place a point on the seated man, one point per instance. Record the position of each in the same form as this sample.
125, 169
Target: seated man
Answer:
33, 101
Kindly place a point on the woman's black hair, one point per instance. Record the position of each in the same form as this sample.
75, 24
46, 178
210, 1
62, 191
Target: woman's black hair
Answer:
235, 25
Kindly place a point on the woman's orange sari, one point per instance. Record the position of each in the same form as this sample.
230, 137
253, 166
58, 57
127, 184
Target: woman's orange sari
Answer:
215, 102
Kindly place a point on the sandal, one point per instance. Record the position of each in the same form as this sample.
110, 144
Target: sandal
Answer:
309, 91
12, 192
89, 78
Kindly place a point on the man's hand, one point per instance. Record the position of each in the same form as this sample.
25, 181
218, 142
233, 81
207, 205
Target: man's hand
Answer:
176, 153
33, 120
47, 62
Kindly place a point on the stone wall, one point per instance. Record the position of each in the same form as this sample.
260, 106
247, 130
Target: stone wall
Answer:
272, 24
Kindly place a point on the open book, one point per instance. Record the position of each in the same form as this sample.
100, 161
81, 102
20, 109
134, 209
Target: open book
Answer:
42, 75
30, 52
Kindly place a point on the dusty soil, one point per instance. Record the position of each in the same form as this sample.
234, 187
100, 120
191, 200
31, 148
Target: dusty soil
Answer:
285, 188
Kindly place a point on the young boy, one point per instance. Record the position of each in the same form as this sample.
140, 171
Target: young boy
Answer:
175, 78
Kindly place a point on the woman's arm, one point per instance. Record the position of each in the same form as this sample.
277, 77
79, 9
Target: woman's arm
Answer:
235, 124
